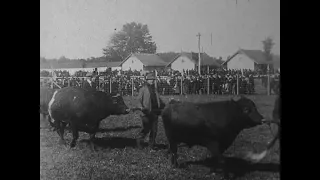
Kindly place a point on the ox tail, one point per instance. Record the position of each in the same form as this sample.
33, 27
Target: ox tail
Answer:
51, 120
256, 157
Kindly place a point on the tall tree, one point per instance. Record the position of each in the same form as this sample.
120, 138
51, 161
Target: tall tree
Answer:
267, 48
63, 59
133, 38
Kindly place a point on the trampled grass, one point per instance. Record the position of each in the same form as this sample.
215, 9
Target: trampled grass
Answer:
118, 157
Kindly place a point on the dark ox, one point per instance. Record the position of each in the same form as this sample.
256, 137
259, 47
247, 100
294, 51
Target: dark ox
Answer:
276, 115
45, 97
83, 110
214, 125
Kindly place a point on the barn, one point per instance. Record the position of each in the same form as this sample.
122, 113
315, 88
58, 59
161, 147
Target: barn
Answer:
189, 61
248, 59
141, 61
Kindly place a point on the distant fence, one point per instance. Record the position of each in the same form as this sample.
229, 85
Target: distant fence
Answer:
174, 85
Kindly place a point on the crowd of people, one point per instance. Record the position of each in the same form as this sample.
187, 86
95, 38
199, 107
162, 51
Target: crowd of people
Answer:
215, 81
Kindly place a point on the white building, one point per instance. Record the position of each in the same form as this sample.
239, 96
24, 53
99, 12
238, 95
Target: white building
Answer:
139, 62
189, 61
248, 59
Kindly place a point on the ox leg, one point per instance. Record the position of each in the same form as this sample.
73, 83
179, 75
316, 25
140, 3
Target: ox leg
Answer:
146, 126
174, 154
75, 135
216, 155
60, 129
92, 139
153, 132
93, 136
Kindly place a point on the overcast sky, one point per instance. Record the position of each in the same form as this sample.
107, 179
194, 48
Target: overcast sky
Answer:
81, 28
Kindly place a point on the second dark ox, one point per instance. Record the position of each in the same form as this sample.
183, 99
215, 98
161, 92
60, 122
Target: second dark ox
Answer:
214, 125
83, 110
45, 97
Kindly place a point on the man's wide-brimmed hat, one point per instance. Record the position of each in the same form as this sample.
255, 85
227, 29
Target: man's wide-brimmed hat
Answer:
150, 76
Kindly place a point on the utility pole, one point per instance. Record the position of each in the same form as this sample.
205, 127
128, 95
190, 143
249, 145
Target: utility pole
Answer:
199, 64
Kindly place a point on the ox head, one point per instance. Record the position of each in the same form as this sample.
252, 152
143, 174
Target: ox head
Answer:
251, 115
119, 106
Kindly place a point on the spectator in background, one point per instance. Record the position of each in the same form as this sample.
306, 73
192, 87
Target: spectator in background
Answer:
88, 84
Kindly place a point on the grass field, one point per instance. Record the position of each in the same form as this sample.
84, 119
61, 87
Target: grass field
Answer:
118, 158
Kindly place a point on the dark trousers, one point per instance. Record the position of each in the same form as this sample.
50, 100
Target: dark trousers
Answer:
149, 124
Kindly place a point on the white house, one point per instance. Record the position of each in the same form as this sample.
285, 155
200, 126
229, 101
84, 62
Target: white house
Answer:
139, 62
247, 59
189, 61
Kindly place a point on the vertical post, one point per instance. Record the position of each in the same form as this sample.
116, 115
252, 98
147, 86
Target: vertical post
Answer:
51, 83
237, 83
181, 85
199, 61
155, 82
208, 85
110, 86
268, 83
208, 80
132, 86
68, 82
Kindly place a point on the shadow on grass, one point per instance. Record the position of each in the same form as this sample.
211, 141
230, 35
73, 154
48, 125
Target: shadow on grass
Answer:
240, 167
120, 142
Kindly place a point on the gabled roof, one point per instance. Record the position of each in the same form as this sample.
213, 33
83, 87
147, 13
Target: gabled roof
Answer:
206, 60
114, 64
168, 56
255, 55
147, 59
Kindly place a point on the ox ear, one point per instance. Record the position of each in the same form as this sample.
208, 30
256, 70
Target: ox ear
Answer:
246, 110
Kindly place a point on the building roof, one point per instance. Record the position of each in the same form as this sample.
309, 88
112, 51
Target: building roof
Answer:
168, 56
96, 64
114, 64
147, 59
206, 60
255, 55
77, 64
56, 65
